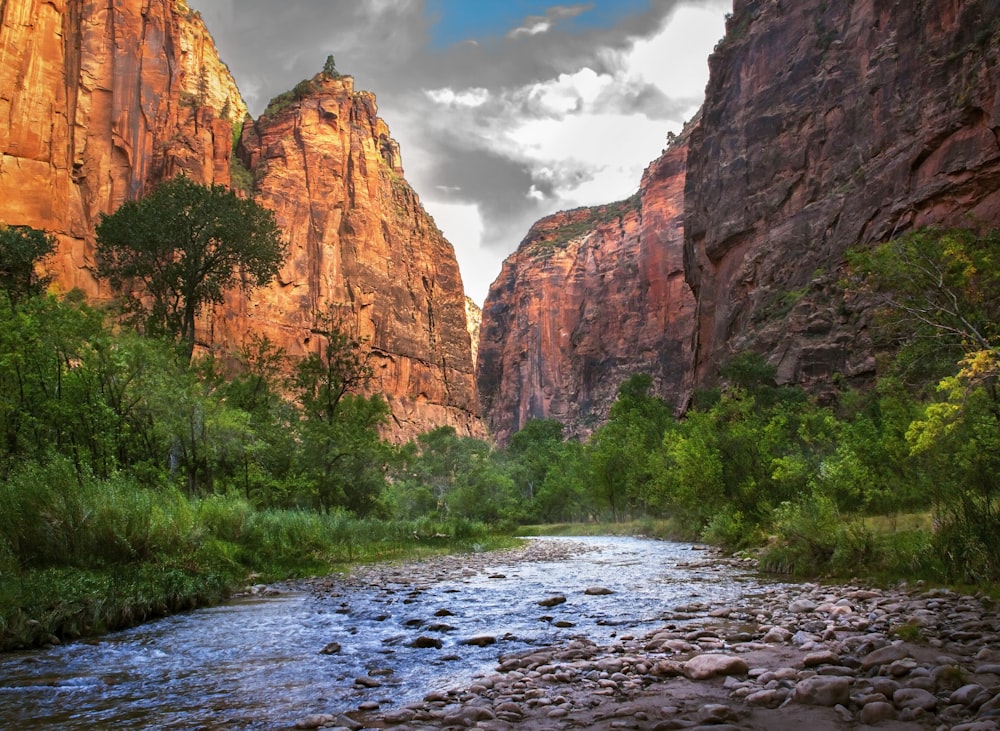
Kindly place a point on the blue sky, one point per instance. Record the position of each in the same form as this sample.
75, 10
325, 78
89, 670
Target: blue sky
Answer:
505, 110
455, 21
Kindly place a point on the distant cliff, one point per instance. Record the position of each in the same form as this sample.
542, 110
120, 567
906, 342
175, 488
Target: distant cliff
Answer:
590, 297
827, 124
100, 101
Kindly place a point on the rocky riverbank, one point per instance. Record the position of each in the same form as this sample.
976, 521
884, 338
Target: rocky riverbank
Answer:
798, 656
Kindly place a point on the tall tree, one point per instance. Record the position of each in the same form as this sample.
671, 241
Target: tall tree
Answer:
343, 457
181, 247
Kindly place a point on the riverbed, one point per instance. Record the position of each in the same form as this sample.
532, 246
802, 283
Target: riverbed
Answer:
380, 638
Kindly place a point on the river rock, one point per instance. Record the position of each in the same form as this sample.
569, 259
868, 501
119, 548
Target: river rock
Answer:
702, 667
802, 605
823, 690
425, 642
876, 712
777, 635
552, 601
330, 649
597, 591
884, 656
914, 698
316, 720
481, 641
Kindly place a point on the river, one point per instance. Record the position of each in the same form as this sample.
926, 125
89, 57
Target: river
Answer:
258, 663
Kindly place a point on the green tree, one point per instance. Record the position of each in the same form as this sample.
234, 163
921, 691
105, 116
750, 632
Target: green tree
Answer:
621, 450
21, 248
939, 297
180, 249
343, 456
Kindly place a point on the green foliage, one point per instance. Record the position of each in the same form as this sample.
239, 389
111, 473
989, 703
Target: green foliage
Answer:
939, 292
342, 454
286, 99
330, 68
594, 217
181, 248
21, 248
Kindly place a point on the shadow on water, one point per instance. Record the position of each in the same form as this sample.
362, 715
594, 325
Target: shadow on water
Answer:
259, 663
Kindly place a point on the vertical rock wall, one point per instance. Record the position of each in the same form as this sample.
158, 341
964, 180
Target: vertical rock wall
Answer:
98, 101
591, 297
828, 124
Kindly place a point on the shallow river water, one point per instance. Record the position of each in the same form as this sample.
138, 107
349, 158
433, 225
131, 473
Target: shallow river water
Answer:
257, 664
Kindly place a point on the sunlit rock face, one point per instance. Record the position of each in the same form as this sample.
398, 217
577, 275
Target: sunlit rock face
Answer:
100, 101
590, 297
362, 250
828, 124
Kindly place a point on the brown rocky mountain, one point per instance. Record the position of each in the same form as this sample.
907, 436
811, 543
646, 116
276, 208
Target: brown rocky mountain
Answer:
825, 125
99, 102
590, 297
363, 251
828, 124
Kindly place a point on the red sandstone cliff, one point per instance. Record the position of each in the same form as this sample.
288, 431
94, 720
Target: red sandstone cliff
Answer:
99, 101
826, 125
591, 297
362, 249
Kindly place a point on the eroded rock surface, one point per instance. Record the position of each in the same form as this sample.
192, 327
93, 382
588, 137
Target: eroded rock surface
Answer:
590, 297
826, 125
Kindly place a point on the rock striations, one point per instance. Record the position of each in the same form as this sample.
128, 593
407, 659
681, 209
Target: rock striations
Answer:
97, 101
590, 297
363, 251
826, 125
100, 101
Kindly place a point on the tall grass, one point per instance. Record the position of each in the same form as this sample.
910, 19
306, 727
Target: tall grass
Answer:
80, 555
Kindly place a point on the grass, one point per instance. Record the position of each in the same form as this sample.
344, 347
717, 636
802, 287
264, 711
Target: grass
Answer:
83, 556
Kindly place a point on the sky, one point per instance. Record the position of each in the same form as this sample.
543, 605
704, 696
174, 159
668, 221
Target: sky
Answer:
505, 110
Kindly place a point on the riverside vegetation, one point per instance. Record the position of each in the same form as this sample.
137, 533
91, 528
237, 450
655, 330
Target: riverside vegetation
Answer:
135, 480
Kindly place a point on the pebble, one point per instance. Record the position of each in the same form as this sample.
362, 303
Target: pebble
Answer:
832, 649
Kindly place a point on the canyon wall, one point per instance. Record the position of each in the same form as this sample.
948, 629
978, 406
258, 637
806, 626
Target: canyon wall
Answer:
100, 101
363, 252
590, 297
825, 125
828, 124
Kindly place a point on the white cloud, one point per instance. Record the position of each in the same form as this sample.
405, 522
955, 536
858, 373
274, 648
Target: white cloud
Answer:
467, 98
676, 59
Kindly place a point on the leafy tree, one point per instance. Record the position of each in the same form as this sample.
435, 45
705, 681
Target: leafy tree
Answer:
532, 451
343, 456
181, 248
620, 451
939, 292
21, 247
330, 68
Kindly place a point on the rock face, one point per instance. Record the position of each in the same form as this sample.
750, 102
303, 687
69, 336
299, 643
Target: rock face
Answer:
825, 125
363, 251
100, 101
590, 297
